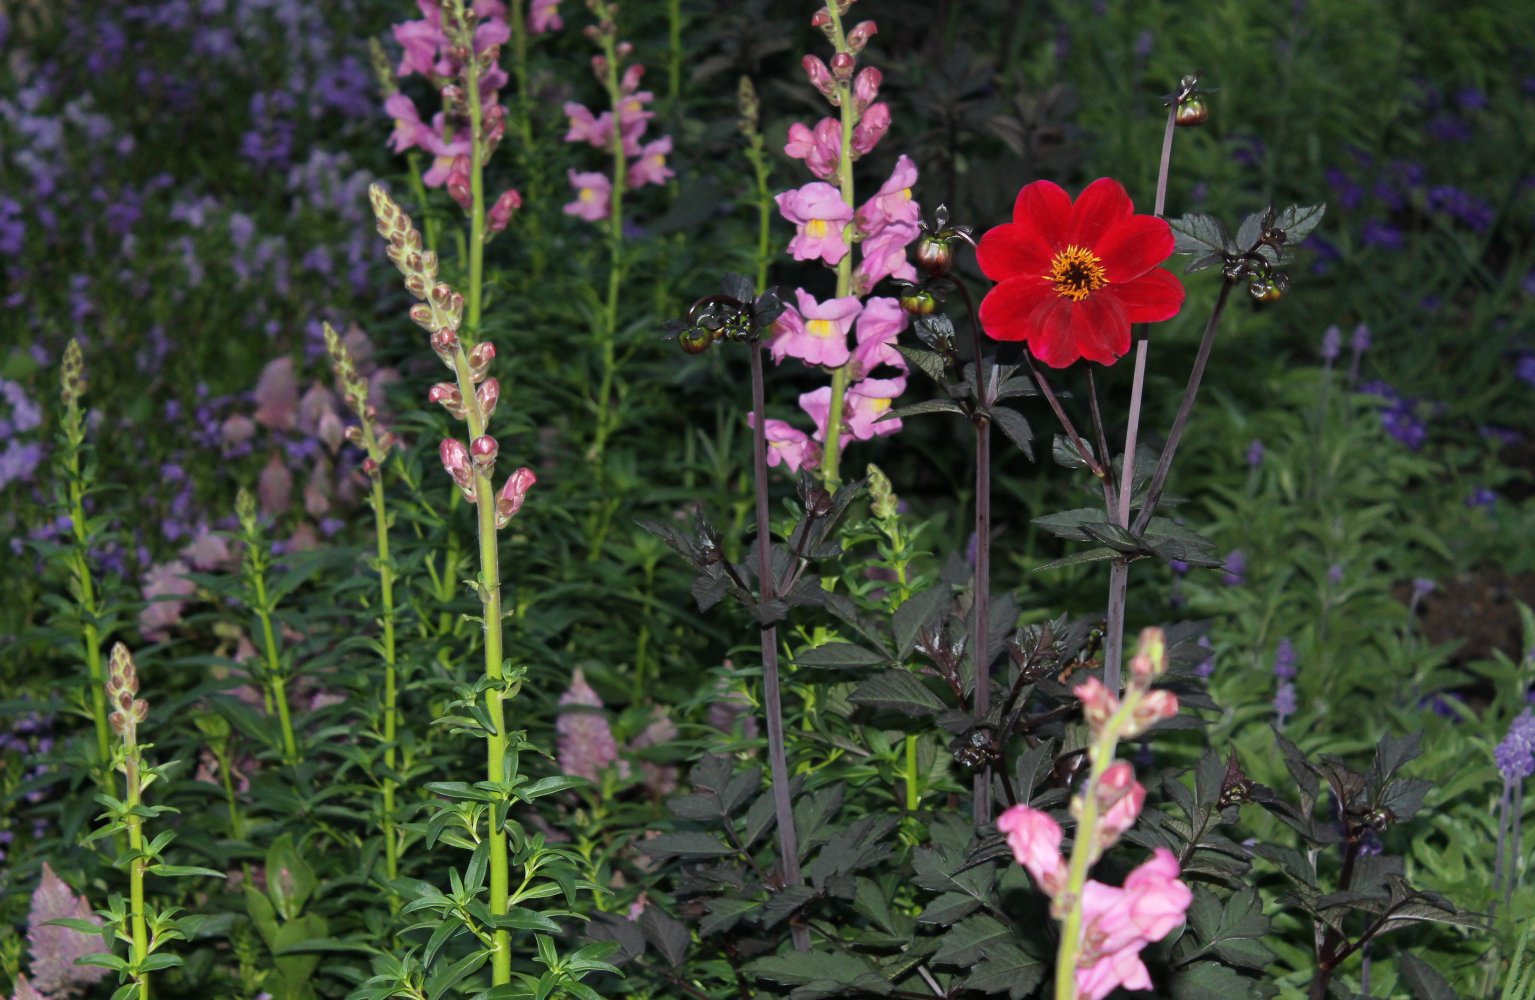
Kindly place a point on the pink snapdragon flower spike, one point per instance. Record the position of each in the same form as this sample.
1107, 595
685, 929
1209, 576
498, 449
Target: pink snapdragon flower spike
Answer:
586, 127
892, 204
649, 166
544, 15
1118, 923
876, 330
820, 149
500, 215
410, 132
819, 215
594, 195
816, 332
884, 256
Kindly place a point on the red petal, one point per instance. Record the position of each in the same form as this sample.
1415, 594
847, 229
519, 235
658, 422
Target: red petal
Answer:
1134, 246
1101, 329
1012, 250
1050, 334
1045, 208
1101, 204
1005, 311
1151, 298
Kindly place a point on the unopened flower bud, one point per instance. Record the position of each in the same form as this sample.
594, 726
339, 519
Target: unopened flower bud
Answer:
483, 451
1150, 658
459, 185
866, 87
501, 212
509, 501
695, 340
871, 128
370, 468
599, 65
860, 35
1192, 111
1098, 703
72, 374
480, 358
455, 458
446, 395
820, 78
934, 255
421, 315
918, 301
1153, 708
1264, 291
1120, 799
488, 393
633, 75
884, 504
445, 344
820, 19
448, 301
354, 435
624, 50
842, 65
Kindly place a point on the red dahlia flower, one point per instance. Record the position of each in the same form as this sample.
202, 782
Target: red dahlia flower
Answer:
1073, 277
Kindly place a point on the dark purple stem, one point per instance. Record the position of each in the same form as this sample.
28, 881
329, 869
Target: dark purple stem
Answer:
783, 808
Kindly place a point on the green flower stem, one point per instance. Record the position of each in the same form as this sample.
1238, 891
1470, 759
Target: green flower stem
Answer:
226, 763
473, 299
1119, 570
761, 173
80, 567
608, 333
913, 792
418, 188
277, 684
391, 679
831, 460
674, 52
1084, 848
135, 824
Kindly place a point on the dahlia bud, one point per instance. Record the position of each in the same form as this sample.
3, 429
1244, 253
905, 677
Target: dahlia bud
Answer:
446, 395
866, 87
918, 301
821, 78
455, 458
509, 501
445, 345
488, 393
483, 450
695, 340
501, 212
842, 66
1264, 291
860, 35
934, 255
480, 358
1192, 111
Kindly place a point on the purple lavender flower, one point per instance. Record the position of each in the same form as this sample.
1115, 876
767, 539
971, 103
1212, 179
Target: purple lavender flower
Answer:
1449, 128
1360, 341
1206, 667
1349, 194
1524, 368
1466, 208
1284, 703
1382, 234
1515, 756
1482, 497
1255, 454
13, 230
1335, 574
1236, 568
1332, 344
1284, 660
1471, 98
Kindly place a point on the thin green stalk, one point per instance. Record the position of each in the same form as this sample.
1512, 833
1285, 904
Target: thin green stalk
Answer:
136, 869
831, 460
474, 298
256, 563
72, 385
750, 109
608, 333
674, 51
391, 681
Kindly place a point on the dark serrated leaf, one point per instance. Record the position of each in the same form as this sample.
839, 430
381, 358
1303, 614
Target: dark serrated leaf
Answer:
1298, 221
840, 656
897, 691
687, 844
1198, 233
918, 612
1079, 558
917, 409
1424, 982
1065, 453
1016, 428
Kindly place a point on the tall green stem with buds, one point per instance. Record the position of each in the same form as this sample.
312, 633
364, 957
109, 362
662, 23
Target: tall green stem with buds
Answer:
274, 674
82, 587
606, 34
750, 109
377, 443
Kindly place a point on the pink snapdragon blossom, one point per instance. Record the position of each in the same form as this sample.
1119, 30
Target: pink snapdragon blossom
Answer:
650, 166
871, 128
892, 204
821, 150
786, 445
544, 16
586, 127
816, 333
867, 402
1035, 840
878, 326
819, 214
594, 198
410, 132
817, 406
884, 256
1118, 923
501, 212
1120, 798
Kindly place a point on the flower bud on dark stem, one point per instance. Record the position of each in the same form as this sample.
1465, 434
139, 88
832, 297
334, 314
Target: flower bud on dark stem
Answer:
695, 340
935, 256
1192, 111
918, 301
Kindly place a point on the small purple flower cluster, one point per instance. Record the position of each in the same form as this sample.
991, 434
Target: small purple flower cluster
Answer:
1515, 755
1285, 701
1402, 417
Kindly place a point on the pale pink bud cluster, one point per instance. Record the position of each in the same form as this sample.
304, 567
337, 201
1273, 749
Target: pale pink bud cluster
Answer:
455, 459
509, 501
128, 709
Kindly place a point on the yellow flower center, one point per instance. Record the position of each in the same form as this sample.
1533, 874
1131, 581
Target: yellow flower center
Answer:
587, 194
822, 328
816, 229
1077, 273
